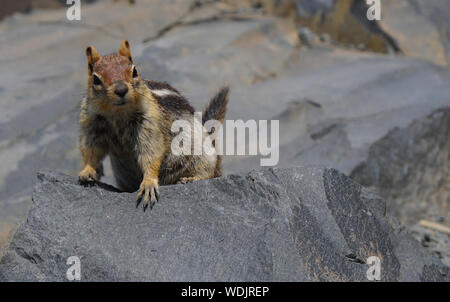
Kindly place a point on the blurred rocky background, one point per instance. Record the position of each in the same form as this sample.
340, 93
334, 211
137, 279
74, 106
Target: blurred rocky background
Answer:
369, 98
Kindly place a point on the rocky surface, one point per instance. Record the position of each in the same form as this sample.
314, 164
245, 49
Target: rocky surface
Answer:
435, 241
297, 224
337, 107
412, 166
417, 28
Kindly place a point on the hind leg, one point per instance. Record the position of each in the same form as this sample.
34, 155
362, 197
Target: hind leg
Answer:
186, 169
185, 180
202, 172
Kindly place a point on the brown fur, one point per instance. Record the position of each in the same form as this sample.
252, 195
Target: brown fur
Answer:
134, 129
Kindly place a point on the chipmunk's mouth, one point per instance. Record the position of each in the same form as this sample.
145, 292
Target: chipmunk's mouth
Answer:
120, 103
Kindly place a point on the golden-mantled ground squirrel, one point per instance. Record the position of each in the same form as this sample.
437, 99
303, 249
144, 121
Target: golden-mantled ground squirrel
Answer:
130, 120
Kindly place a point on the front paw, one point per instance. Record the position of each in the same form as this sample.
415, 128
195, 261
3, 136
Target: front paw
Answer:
148, 193
88, 176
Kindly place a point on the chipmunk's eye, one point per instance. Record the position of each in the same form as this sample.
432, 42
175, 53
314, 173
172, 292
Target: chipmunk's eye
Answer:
97, 80
135, 73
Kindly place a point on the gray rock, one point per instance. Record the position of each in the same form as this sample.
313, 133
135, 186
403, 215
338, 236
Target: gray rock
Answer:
307, 36
412, 167
420, 28
436, 242
417, 28
298, 224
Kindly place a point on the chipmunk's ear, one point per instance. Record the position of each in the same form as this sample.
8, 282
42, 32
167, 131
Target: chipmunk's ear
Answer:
124, 50
92, 57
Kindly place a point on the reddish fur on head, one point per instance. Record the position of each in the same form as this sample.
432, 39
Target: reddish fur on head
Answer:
107, 74
113, 68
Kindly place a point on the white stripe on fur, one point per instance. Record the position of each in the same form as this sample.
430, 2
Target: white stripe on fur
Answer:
163, 92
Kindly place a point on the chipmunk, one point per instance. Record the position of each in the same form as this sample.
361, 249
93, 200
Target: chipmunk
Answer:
130, 120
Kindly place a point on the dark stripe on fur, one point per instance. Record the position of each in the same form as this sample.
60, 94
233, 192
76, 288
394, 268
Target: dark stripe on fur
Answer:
175, 104
160, 85
172, 103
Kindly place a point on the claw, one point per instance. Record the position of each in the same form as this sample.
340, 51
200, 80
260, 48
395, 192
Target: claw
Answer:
86, 182
138, 202
157, 193
139, 198
145, 199
148, 194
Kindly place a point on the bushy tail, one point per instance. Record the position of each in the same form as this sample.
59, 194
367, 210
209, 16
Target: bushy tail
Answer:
217, 107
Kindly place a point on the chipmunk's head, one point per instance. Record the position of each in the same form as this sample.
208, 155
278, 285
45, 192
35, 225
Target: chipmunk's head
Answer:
112, 78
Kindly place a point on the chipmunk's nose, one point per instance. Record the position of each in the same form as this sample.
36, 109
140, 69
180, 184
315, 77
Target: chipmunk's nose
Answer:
121, 89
